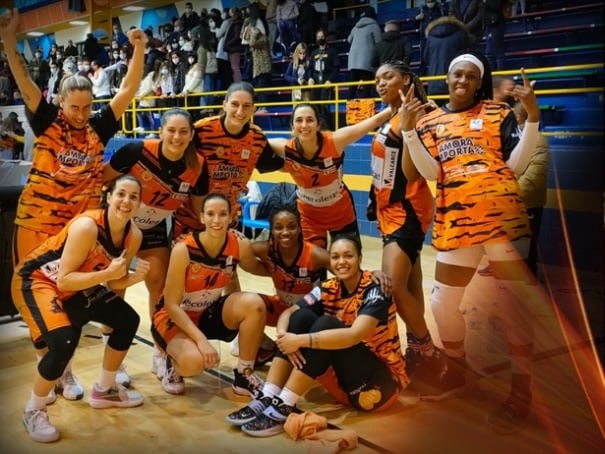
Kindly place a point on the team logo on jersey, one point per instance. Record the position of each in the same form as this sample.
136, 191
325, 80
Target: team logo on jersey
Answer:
229, 260
146, 175
303, 272
184, 187
440, 130
195, 268
220, 152
245, 153
476, 124
328, 162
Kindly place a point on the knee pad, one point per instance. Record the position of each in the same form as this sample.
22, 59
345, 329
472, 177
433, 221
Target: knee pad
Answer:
62, 343
445, 303
124, 328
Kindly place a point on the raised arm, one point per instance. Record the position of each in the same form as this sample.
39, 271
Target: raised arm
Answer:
133, 77
30, 92
349, 134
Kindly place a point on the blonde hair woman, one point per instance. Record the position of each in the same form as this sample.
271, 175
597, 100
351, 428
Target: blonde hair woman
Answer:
296, 72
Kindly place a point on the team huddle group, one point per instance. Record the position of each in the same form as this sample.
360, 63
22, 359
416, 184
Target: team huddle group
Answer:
166, 218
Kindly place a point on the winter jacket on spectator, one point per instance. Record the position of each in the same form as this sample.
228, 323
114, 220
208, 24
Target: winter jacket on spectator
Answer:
363, 39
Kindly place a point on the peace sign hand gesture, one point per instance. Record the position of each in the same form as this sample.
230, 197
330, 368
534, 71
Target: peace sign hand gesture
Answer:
411, 109
526, 95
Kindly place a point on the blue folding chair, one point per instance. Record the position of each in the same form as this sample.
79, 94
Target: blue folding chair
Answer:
248, 221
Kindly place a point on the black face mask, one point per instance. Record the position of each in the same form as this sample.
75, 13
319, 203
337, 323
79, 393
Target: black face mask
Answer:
321, 41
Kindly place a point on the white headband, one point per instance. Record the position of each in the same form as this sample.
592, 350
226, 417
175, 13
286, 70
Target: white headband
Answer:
470, 58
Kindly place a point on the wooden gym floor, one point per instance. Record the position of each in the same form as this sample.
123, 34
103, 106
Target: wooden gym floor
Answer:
561, 421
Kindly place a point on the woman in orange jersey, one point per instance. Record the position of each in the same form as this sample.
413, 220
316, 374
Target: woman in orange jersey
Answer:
67, 166
315, 159
343, 333
171, 172
232, 148
193, 308
404, 209
68, 281
473, 148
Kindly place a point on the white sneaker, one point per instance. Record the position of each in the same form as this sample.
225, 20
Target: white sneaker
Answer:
69, 387
122, 377
51, 397
39, 427
172, 382
116, 396
234, 346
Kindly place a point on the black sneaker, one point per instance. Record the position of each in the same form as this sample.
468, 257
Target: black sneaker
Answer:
271, 421
509, 416
246, 383
413, 360
438, 378
248, 413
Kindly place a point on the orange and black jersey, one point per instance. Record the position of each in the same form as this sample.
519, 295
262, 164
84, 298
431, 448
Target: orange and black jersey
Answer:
319, 179
232, 158
294, 281
66, 175
166, 184
43, 262
207, 276
397, 199
477, 193
332, 299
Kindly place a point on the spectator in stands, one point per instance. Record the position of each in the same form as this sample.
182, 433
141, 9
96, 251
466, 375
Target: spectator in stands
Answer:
152, 53
251, 23
297, 70
271, 19
287, 14
179, 71
307, 21
70, 49
206, 57
363, 40
323, 10
174, 36
495, 14
101, 88
445, 38
56, 74
430, 11
225, 75
148, 89
39, 70
189, 19
91, 47
194, 84
323, 69
394, 46
11, 134
166, 85
233, 43
52, 53
118, 35
261, 62
469, 13
6, 86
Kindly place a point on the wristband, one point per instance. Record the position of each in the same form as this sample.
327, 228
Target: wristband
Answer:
409, 135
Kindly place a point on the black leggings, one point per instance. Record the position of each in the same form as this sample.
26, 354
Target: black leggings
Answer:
357, 368
98, 304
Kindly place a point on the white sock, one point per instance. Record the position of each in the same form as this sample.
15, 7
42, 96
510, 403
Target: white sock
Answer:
271, 390
242, 365
106, 380
445, 302
36, 402
288, 397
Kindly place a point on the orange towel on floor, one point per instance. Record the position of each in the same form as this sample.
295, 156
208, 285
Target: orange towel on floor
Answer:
312, 428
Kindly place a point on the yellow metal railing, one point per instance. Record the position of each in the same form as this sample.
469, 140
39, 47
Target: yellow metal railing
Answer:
338, 102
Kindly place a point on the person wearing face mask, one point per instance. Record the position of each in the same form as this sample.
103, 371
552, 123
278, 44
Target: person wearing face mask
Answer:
84, 67
323, 69
194, 83
166, 85
179, 71
56, 73
175, 36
